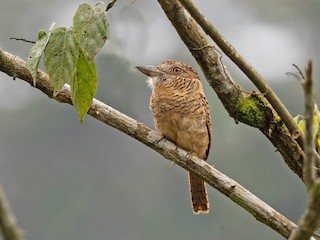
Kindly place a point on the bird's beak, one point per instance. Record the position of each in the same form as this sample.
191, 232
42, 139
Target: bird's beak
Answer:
151, 71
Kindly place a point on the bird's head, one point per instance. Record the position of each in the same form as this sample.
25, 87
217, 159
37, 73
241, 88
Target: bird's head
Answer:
168, 71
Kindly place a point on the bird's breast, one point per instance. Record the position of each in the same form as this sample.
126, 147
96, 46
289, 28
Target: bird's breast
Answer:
181, 118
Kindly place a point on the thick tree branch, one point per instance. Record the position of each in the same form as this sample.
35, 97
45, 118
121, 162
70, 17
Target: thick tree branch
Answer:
8, 225
259, 114
15, 67
240, 61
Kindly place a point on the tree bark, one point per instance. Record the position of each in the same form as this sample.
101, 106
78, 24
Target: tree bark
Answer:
251, 109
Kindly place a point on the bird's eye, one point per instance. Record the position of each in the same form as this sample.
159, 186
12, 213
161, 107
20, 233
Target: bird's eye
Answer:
176, 70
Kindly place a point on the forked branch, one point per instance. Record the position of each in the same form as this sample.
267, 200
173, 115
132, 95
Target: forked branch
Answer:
241, 62
234, 100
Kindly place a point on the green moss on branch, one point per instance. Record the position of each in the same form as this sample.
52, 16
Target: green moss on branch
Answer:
251, 110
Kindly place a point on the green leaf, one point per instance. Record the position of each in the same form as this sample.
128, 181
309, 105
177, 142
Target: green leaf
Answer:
90, 28
83, 86
41, 34
60, 57
316, 125
36, 51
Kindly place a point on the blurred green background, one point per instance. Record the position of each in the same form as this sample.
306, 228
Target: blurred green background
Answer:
66, 181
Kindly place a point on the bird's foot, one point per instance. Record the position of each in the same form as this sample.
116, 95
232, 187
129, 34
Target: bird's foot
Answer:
163, 137
191, 154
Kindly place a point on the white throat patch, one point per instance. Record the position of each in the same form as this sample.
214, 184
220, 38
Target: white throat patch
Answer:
151, 81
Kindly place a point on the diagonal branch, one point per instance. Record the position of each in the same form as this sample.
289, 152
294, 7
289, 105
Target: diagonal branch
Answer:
8, 225
240, 61
16, 67
253, 110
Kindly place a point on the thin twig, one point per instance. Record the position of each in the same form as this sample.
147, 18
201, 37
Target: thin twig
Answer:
110, 4
8, 224
14, 66
227, 74
299, 71
252, 74
22, 39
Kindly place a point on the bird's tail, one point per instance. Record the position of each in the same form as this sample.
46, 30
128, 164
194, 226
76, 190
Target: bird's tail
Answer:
199, 196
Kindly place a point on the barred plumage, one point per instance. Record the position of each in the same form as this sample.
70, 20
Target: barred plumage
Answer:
181, 113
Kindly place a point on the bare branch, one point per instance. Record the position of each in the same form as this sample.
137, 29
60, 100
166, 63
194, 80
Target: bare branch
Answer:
110, 4
15, 67
306, 83
300, 74
308, 164
230, 96
311, 218
240, 61
22, 39
8, 225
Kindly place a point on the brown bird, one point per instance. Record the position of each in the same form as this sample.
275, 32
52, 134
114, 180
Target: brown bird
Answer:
181, 113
